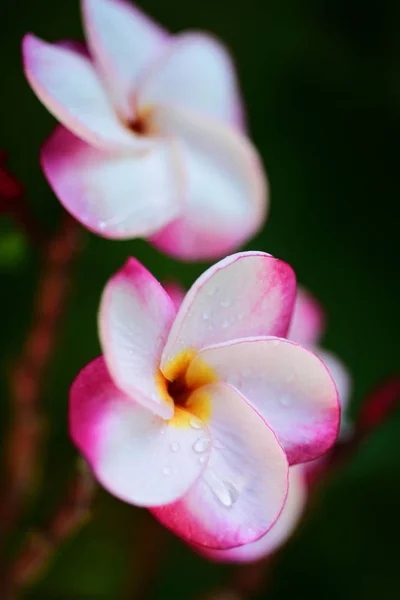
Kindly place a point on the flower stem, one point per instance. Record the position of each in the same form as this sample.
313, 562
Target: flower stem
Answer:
40, 546
23, 446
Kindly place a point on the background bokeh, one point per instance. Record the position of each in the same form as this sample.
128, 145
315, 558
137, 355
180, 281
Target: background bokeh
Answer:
321, 81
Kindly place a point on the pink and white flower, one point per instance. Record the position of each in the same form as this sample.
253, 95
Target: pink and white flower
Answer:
306, 328
152, 143
197, 413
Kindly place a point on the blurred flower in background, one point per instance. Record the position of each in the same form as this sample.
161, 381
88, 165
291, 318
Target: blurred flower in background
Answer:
153, 143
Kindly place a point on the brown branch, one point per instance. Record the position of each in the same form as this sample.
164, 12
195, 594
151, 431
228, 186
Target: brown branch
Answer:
40, 547
23, 445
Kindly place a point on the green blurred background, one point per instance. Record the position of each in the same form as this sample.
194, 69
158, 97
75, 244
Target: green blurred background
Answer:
321, 81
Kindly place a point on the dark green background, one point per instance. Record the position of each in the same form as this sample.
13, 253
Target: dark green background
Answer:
321, 80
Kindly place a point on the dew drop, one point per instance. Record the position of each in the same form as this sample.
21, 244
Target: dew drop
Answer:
202, 459
225, 303
225, 324
175, 447
102, 225
224, 491
195, 423
212, 291
206, 316
201, 445
166, 471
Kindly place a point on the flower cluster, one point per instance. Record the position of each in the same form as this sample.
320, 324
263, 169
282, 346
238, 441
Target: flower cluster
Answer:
202, 408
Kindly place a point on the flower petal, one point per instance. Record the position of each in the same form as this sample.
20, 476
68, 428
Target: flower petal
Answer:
134, 454
134, 319
339, 374
289, 386
227, 195
280, 532
308, 320
67, 84
246, 294
242, 492
194, 72
115, 195
123, 40
176, 292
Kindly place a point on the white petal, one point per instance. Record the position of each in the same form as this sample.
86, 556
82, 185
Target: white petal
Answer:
284, 527
134, 319
246, 294
242, 492
67, 84
287, 384
194, 72
226, 196
134, 454
123, 41
118, 196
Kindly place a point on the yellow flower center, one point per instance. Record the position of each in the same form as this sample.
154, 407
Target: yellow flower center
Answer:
142, 124
182, 383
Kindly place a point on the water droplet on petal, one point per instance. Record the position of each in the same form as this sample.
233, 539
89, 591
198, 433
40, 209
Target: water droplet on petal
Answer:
195, 423
102, 224
175, 447
275, 343
202, 459
225, 303
212, 291
202, 444
206, 316
225, 324
224, 491
166, 471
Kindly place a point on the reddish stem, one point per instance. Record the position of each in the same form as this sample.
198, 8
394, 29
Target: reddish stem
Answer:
40, 546
23, 445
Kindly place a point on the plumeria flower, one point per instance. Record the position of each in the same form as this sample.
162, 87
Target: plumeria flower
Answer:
307, 327
197, 413
152, 143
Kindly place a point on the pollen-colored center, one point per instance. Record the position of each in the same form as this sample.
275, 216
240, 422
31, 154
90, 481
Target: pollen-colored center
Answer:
142, 124
183, 382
